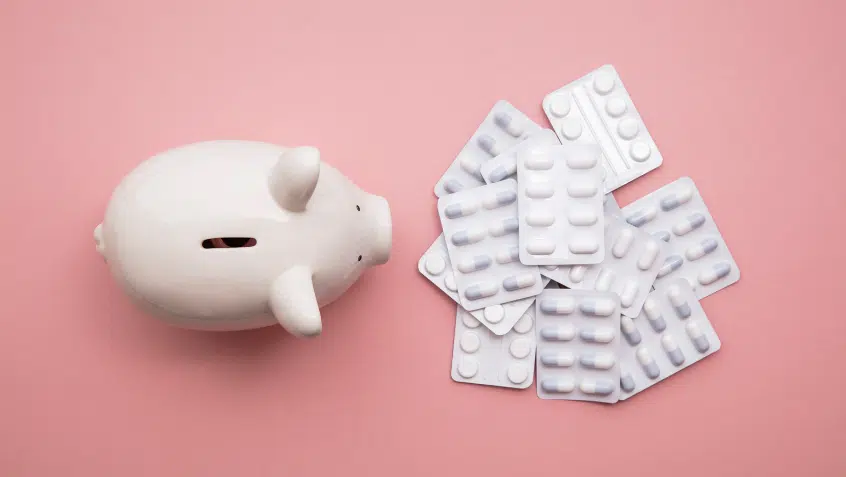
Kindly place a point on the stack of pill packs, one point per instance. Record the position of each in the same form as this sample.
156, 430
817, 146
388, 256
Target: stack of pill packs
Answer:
550, 276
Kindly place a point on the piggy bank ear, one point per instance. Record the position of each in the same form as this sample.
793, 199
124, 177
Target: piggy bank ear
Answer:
294, 177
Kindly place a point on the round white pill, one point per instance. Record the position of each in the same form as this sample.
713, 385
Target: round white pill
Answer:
524, 324
571, 129
551, 267
559, 105
494, 313
449, 282
628, 128
469, 342
603, 83
435, 264
468, 367
518, 373
615, 107
640, 151
520, 348
470, 321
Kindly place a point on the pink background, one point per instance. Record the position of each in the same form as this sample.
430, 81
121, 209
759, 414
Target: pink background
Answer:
744, 97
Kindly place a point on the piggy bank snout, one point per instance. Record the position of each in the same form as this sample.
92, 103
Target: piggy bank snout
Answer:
379, 221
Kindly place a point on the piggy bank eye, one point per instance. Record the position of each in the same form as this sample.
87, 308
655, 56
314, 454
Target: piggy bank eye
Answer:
358, 208
229, 242
359, 258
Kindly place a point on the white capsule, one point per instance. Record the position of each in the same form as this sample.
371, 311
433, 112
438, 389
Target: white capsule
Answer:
538, 162
480, 290
630, 331
598, 306
539, 190
499, 199
582, 189
672, 349
508, 225
689, 224
601, 387
597, 360
489, 145
517, 282
540, 247
700, 341
558, 333
558, 306
582, 217
627, 296
470, 166
598, 335
623, 243
695, 252
508, 124
653, 315
472, 264
642, 216
507, 255
679, 303
581, 160
680, 197
468, 236
577, 273
583, 246
711, 275
540, 219
558, 385
648, 255
650, 367
604, 280
558, 360
461, 209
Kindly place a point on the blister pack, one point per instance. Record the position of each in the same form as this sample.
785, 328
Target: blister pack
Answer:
597, 109
670, 334
480, 227
578, 338
481, 357
504, 166
677, 215
632, 260
560, 203
436, 267
503, 127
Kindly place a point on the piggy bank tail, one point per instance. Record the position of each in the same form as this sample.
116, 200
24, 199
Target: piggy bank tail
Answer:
98, 240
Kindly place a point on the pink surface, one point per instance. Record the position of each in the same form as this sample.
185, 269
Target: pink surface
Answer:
744, 97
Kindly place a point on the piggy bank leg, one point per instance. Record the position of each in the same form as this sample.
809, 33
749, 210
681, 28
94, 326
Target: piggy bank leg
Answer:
293, 303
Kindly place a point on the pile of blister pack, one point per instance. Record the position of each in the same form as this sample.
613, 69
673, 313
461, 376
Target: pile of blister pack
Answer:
549, 274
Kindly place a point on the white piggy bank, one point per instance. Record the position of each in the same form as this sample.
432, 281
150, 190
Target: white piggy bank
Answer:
233, 235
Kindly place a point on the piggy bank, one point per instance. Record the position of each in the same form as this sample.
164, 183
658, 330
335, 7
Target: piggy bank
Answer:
234, 235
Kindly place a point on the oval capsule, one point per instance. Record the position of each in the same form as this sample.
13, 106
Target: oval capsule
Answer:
599, 387
577, 273
540, 219
558, 360
488, 144
471, 166
689, 224
508, 255
538, 162
451, 186
558, 306
597, 335
679, 303
604, 280
582, 189
540, 247
583, 246
461, 209
648, 255
467, 236
622, 243
695, 252
508, 124
500, 199
598, 306
671, 264
628, 294
581, 160
558, 333
680, 197
539, 190
508, 225
672, 349
516, 282
714, 273
650, 367
662, 235
642, 216
700, 341
630, 331
558, 385
480, 290
627, 382
597, 360
653, 315
501, 172
473, 264
582, 217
